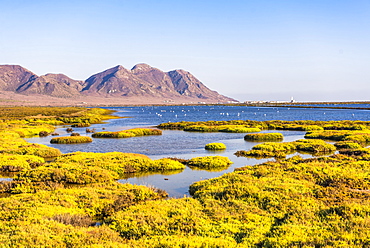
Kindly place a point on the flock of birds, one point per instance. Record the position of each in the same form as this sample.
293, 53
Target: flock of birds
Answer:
180, 113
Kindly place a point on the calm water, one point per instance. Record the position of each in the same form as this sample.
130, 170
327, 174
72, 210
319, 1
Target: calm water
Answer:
191, 144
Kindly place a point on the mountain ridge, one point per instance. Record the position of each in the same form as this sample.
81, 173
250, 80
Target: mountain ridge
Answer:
141, 82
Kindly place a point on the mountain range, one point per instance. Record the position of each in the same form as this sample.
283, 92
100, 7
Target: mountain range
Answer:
142, 84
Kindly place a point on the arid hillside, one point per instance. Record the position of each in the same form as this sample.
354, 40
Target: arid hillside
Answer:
142, 84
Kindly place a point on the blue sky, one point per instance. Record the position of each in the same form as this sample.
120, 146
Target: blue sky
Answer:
250, 50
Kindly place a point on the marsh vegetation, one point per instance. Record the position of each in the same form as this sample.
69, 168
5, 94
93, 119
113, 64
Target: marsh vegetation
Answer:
287, 202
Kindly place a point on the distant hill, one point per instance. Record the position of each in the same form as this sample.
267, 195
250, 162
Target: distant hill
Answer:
142, 84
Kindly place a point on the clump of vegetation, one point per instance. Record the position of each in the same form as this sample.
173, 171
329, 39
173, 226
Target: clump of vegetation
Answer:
364, 153
215, 146
209, 162
361, 137
275, 147
71, 140
55, 115
65, 216
309, 197
12, 162
43, 133
262, 154
303, 125
30, 130
70, 174
128, 133
11, 143
120, 163
280, 150
264, 137
222, 128
77, 220
239, 123
347, 145
86, 124
314, 146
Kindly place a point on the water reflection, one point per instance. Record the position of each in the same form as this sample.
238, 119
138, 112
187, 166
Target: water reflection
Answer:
216, 169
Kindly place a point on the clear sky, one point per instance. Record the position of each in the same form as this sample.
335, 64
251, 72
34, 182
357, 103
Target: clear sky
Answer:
312, 50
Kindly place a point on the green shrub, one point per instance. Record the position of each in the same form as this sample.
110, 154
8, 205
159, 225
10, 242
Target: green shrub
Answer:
86, 124
71, 140
280, 150
128, 133
120, 163
347, 145
263, 137
33, 149
210, 162
72, 174
180, 241
9, 162
356, 152
167, 164
107, 134
314, 146
215, 146
275, 147
262, 154
173, 217
32, 129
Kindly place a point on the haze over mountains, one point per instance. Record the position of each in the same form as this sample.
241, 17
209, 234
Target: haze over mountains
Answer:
142, 84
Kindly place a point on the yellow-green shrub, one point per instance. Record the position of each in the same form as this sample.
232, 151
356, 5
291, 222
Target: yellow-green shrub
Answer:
314, 146
180, 241
209, 162
32, 130
361, 137
172, 217
86, 124
275, 147
263, 136
24, 148
215, 146
71, 173
9, 162
347, 145
120, 162
71, 140
280, 150
128, 133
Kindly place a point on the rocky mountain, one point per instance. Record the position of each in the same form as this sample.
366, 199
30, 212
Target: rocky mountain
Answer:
146, 81
142, 82
57, 85
19, 80
14, 76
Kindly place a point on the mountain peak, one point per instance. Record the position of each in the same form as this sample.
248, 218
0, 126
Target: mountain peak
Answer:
141, 67
118, 68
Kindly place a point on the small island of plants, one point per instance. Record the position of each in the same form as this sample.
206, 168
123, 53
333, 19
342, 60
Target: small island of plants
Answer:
263, 137
215, 146
71, 140
127, 133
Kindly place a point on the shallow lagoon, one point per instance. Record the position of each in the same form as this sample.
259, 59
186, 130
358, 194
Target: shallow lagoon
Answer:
191, 144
